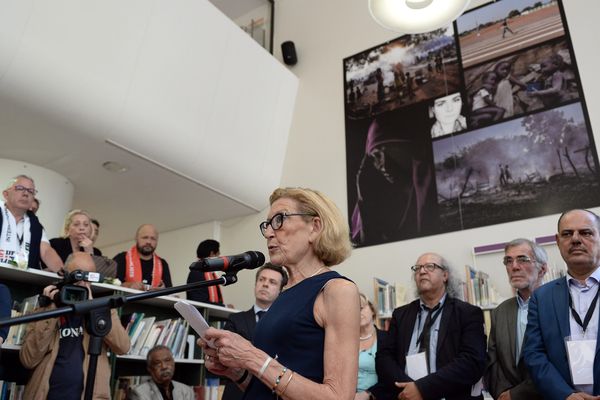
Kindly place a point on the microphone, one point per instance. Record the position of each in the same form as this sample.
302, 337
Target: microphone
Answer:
247, 260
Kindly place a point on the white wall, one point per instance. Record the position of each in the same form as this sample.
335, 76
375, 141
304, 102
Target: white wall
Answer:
324, 34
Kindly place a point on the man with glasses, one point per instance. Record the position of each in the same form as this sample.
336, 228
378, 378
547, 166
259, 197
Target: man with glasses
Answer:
23, 241
506, 375
435, 347
561, 342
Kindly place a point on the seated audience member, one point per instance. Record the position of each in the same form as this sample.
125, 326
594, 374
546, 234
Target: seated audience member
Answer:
212, 294
76, 235
506, 375
140, 267
268, 284
23, 241
56, 348
436, 345
368, 386
564, 312
161, 366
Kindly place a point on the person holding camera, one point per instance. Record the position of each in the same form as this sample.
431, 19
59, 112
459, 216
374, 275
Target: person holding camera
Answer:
56, 348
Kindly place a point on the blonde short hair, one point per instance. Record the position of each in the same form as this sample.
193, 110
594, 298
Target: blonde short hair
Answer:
69, 220
333, 244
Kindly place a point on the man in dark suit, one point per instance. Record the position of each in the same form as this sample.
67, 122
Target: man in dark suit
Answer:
567, 308
506, 376
270, 280
436, 346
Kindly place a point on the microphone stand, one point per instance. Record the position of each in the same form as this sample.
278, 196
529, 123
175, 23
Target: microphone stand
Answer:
98, 320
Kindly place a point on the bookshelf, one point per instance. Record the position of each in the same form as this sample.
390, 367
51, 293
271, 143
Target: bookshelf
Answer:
189, 368
387, 297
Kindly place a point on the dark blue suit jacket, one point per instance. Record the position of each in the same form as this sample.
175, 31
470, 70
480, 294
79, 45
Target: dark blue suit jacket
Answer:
544, 346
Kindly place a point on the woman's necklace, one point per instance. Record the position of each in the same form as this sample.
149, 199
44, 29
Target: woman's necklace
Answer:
316, 272
369, 336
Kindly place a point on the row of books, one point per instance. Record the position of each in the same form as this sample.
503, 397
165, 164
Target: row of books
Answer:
17, 332
11, 391
145, 333
477, 288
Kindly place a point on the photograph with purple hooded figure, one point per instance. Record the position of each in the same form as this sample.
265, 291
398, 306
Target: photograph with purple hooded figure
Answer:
394, 184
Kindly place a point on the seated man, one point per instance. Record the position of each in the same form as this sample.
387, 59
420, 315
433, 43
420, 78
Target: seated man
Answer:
161, 366
56, 348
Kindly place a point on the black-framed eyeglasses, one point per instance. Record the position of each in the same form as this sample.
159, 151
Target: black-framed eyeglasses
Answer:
521, 260
21, 188
429, 267
276, 221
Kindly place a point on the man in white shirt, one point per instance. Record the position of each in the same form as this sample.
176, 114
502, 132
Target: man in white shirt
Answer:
564, 313
23, 241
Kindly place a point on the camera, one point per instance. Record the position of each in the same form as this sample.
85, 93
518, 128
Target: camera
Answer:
68, 293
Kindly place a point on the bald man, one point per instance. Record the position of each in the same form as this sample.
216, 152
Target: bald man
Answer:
140, 267
56, 348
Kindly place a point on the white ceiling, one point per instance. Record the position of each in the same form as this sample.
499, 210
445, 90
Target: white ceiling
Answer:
41, 127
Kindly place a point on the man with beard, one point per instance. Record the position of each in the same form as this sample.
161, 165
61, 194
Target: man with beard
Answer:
435, 347
563, 314
395, 183
506, 375
140, 267
161, 366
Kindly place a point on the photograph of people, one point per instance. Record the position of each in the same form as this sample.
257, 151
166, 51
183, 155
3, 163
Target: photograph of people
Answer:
447, 114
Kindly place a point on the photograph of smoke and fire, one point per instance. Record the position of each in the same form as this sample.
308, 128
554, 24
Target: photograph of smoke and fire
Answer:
403, 71
541, 164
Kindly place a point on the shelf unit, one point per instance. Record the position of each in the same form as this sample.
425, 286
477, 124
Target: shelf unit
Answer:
26, 282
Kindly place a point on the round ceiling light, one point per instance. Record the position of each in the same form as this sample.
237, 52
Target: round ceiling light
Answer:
416, 16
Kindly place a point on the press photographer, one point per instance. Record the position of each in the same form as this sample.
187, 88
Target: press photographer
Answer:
56, 348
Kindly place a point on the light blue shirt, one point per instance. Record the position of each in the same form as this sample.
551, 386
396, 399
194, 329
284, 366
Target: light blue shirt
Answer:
582, 296
367, 376
522, 310
433, 338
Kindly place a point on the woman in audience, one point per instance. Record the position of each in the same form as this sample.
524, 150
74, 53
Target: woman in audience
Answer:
367, 387
305, 346
76, 235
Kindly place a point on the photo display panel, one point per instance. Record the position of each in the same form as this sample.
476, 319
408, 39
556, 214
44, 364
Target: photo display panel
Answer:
475, 124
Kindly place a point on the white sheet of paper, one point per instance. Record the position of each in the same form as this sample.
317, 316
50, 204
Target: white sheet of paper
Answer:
477, 388
193, 316
581, 360
416, 366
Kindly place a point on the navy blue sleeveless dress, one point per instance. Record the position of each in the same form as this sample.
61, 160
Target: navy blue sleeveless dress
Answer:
290, 332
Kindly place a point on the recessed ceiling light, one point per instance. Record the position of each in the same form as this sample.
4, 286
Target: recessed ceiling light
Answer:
115, 167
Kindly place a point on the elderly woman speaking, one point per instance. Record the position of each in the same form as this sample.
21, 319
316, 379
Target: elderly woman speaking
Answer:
305, 347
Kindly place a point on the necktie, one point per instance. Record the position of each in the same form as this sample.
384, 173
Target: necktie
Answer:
425, 336
259, 315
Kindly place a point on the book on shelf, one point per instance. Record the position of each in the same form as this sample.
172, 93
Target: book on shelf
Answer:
17, 332
145, 333
479, 290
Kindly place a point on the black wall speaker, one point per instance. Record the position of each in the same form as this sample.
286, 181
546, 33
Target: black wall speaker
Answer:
288, 50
